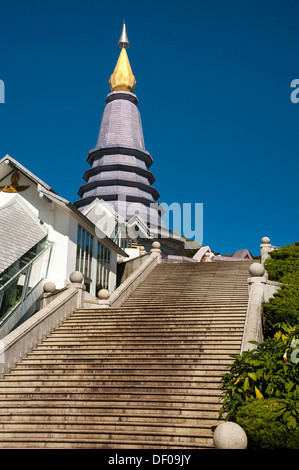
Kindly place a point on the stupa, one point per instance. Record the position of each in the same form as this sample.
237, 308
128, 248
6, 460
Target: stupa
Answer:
119, 172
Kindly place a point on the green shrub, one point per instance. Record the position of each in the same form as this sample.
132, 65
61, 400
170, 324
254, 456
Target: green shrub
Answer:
269, 371
263, 422
261, 389
283, 266
283, 306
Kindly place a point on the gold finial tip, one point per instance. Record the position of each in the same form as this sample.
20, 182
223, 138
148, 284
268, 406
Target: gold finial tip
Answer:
122, 77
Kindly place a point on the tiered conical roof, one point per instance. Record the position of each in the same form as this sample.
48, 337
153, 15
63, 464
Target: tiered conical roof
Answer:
119, 162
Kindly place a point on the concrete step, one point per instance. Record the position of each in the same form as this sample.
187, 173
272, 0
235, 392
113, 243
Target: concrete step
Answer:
107, 381
96, 370
144, 375
175, 359
43, 417
60, 406
225, 327
209, 347
184, 365
103, 389
129, 415
215, 335
143, 401
157, 435
162, 315
90, 427
126, 345
66, 442
65, 341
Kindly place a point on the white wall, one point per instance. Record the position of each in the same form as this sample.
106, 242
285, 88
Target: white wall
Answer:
62, 226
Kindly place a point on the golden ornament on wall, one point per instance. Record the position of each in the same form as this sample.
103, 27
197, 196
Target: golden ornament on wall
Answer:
14, 186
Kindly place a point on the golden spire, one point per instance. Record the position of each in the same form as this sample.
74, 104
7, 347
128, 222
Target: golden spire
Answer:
122, 77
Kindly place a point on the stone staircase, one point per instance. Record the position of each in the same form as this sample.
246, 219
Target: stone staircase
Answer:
142, 376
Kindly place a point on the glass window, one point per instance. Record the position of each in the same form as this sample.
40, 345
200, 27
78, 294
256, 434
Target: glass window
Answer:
78, 256
103, 267
17, 288
84, 255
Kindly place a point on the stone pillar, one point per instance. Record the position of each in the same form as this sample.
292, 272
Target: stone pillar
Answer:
103, 296
156, 249
142, 251
253, 329
76, 279
209, 257
266, 247
49, 291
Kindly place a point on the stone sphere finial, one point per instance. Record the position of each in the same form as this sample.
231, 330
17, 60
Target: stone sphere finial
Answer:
103, 294
156, 245
265, 240
230, 435
256, 270
76, 277
49, 287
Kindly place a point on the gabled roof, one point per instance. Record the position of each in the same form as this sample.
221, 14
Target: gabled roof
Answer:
9, 159
143, 229
46, 191
201, 252
88, 210
241, 254
19, 232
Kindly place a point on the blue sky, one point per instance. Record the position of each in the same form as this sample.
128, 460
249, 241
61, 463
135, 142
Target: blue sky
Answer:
213, 83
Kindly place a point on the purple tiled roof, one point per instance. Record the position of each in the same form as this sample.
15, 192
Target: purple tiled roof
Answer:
119, 162
241, 254
121, 125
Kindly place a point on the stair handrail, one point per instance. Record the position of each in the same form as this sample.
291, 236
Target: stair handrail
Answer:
117, 298
30, 333
27, 268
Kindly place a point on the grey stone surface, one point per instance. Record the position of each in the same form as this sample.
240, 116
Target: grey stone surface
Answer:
19, 232
76, 277
49, 287
103, 294
230, 435
21, 340
156, 245
256, 269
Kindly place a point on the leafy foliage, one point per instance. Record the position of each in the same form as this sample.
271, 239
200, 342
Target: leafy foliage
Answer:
283, 306
270, 423
283, 266
261, 389
269, 371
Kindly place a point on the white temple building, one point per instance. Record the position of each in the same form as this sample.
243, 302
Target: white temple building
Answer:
44, 237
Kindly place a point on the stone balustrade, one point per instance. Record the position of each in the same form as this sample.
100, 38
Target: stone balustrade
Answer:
260, 290
57, 305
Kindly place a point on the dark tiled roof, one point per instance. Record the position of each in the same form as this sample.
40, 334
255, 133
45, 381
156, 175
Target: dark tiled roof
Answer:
121, 125
241, 254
